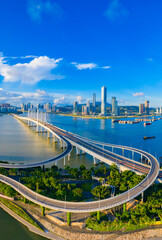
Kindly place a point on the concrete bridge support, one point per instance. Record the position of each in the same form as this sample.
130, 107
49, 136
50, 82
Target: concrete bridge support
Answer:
48, 134
69, 158
122, 151
64, 161
78, 151
95, 161
55, 139
132, 155
142, 196
61, 144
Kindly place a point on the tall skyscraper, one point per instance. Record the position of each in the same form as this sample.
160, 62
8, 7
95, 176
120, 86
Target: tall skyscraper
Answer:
103, 100
48, 107
94, 103
75, 107
88, 106
141, 108
115, 111
147, 107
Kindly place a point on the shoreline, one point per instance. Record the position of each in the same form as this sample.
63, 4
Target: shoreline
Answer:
30, 227
55, 232
101, 117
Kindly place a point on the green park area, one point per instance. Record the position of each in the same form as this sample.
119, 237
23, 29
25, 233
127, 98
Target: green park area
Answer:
81, 184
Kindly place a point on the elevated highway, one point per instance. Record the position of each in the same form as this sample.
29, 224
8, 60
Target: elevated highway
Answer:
151, 171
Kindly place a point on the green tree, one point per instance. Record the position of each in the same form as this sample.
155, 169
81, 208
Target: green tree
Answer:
77, 193
101, 192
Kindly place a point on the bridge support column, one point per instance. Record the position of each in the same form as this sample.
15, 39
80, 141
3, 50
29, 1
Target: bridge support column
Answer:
103, 146
141, 158
68, 157
55, 163
43, 210
48, 134
124, 207
55, 140
68, 218
112, 149
122, 151
132, 155
43, 168
98, 215
95, 161
142, 197
61, 143
78, 151
37, 129
64, 161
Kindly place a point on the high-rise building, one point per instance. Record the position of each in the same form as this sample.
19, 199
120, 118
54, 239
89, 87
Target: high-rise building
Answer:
141, 108
54, 108
88, 106
94, 103
115, 111
147, 107
103, 100
48, 107
75, 107
160, 110
85, 110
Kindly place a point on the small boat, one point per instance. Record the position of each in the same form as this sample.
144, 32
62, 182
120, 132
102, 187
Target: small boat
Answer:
145, 138
115, 120
147, 123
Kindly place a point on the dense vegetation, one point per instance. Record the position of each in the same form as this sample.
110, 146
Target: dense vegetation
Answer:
54, 182
143, 215
7, 190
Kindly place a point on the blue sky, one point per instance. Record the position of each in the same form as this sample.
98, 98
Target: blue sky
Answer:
60, 51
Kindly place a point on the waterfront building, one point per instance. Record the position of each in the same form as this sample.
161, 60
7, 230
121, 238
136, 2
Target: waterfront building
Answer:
115, 111
94, 103
160, 110
141, 108
22, 107
75, 107
40, 106
85, 110
103, 100
54, 107
88, 106
147, 107
48, 107
28, 106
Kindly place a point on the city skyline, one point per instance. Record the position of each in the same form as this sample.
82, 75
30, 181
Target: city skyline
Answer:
60, 53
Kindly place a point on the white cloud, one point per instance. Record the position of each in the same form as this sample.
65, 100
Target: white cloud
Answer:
16, 98
37, 8
138, 94
90, 66
80, 99
116, 10
62, 100
81, 66
106, 67
38, 69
